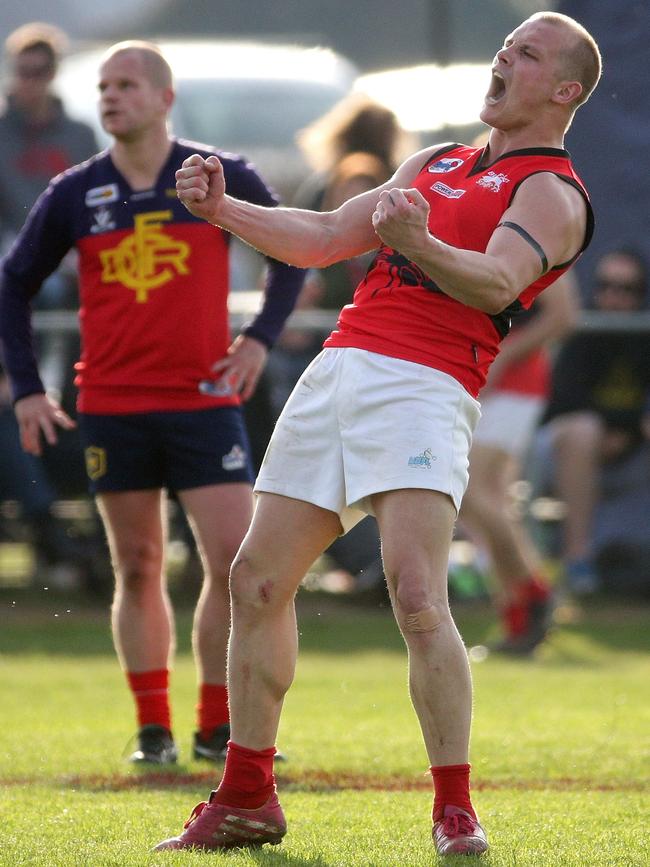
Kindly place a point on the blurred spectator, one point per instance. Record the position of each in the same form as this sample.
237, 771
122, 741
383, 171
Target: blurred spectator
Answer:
511, 405
597, 416
356, 124
37, 141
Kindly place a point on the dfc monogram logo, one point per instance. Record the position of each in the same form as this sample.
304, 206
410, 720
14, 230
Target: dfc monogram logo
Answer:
146, 259
95, 462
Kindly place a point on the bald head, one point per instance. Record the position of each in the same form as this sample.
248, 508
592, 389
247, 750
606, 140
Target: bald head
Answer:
154, 66
579, 58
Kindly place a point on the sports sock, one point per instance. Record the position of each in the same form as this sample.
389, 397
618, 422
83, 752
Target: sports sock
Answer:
151, 693
516, 613
451, 788
248, 780
212, 709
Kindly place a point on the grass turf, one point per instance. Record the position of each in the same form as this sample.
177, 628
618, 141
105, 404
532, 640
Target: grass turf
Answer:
560, 750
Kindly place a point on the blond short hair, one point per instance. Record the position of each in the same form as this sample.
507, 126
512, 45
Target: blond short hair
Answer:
37, 36
581, 61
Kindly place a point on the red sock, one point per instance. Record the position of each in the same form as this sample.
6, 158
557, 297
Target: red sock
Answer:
212, 709
536, 589
516, 613
151, 693
248, 780
515, 619
451, 788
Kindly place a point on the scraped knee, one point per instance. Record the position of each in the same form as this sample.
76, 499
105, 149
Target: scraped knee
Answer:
422, 621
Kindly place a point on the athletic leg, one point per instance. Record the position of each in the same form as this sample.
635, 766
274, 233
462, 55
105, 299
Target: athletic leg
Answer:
523, 596
416, 528
577, 441
219, 516
488, 511
142, 617
284, 539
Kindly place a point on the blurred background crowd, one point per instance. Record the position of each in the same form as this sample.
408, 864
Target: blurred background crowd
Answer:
319, 104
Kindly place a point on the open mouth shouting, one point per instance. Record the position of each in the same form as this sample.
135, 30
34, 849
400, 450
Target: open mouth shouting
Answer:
497, 89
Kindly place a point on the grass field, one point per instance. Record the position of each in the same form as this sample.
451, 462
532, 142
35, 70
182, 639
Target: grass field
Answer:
560, 750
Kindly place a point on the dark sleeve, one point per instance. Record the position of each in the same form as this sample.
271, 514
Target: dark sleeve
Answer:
37, 251
283, 282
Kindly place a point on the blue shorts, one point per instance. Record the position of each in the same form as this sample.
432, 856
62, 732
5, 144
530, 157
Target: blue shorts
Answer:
173, 450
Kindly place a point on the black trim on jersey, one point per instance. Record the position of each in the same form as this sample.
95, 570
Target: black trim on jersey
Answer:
443, 149
502, 321
522, 152
529, 238
589, 228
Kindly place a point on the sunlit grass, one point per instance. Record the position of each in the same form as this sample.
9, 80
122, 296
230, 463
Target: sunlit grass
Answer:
561, 745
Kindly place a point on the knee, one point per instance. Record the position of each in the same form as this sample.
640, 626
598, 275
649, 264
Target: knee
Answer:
418, 610
252, 590
582, 430
139, 567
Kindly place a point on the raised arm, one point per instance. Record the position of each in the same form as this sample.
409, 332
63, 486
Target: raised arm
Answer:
551, 213
308, 239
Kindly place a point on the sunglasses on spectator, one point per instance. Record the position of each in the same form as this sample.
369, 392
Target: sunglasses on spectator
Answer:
34, 72
618, 285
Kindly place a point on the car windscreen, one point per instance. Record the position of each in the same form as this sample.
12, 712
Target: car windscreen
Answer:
238, 114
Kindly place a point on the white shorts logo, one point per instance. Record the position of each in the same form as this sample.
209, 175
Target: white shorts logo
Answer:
423, 461
235, 459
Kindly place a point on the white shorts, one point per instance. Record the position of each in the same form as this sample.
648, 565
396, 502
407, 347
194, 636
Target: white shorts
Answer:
358, 423
508, 421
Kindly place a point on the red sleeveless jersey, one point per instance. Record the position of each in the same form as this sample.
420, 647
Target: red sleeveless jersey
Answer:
397, 310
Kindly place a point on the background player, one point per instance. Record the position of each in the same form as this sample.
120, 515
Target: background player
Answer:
154, 322
511, 406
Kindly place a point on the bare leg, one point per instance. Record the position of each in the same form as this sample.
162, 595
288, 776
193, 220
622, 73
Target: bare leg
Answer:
416, 528
142, 618
488, 512
577, 439
284, 539
219, 516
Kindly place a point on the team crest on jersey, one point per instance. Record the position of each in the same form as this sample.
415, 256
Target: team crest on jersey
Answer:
447, 192
102, 195
446, 164
147, 258
493, 181
102, 220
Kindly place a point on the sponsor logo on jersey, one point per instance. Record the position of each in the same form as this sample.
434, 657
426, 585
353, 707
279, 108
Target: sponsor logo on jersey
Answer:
102, 220
95, 462
423, 460
493, 181
446, 164
446, 191
147, 258
141, 195
235, 459
102, 195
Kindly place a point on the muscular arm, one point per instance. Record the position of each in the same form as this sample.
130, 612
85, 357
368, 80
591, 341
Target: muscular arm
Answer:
558, 314
308, 239
548, 209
